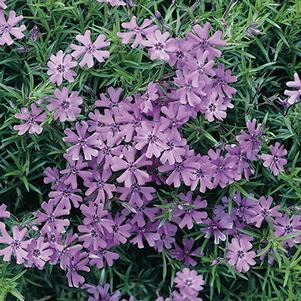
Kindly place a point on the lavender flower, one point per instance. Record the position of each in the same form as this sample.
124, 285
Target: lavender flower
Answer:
77, 262
32, 120
250, 142
132, 166
189, 282
38, 252
201, 40
16, 244
8, 27
186, 253
147, 232
222, 81
262, 211
136, 33
190, 88
52, 216
101, 255
238, 254
295, 94
89, 145
275, 162
156, 43
178, 50
284, 225
189, 211
180, 172
150, 136
215, 228
114, 100
90, 50
121, 230
100, 187
214, 107
66, 107
75, 169
60, 67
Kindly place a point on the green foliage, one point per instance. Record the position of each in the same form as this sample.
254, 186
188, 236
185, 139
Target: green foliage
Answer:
262, 63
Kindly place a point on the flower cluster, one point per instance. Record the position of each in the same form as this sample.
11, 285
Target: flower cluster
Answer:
127, 147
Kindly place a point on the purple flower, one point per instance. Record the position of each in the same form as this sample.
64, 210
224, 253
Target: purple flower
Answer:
150, 136
32, 120
108, 151
110, 126
8, 27
202, 66
68, 250
64, 195
180, 172
147, 232
91, 237
113, 3
156, 43
185, 254
250, 142
189, 282
3, 212
130, 120
178, 50
97, 216
215, 227
90, 50
189, 211
295, 94
65, 106
136, 33
224, 173
242, 165
201, 40
52, 175
239, 254
190, 88
89, 145
113, 101
99, 186
38, 252
214, 107
275, 161
121, 230
77, 262
75, 169
245, 207
52, 216
176, 150
262, 211
16, 244
101, 255
101, 293
136, 194
132, 166
167, 232
223, 78
60, 67
147, 99
175, 115
285, 225
202, 174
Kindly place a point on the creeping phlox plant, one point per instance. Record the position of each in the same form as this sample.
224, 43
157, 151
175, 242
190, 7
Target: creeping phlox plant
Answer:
128, 147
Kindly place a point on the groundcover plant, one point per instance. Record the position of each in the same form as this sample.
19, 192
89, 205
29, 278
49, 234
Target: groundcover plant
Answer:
150, 150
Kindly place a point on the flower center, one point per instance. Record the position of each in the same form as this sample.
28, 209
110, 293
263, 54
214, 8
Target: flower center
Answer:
36, 253
158, 46
15, 244
240, 254
60, 68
